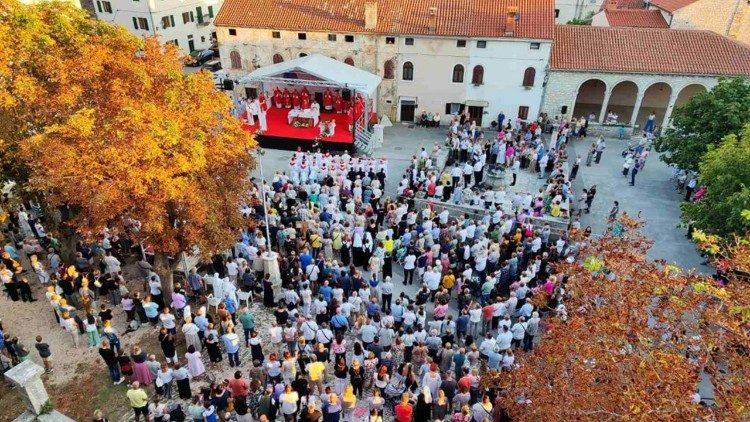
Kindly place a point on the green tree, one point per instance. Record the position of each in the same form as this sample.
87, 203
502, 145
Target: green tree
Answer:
725, 172
586, 20
705, 120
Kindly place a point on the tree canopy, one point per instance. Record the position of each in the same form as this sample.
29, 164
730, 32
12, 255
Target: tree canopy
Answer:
705, 120
638, 337
725, 172
108, 124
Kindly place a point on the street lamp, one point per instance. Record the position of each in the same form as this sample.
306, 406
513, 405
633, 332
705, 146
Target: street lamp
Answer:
259, 155
270, 263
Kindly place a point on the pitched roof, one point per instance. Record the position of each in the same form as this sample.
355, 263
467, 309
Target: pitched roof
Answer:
621, 4
672, 5
647, 50
636, 18
467, 18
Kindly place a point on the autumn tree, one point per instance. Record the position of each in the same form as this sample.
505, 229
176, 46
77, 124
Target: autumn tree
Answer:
127, 138
638, 336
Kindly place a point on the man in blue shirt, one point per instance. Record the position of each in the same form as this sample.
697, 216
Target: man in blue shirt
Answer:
232, 345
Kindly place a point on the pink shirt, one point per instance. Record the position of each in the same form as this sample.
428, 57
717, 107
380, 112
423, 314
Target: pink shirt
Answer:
440, 311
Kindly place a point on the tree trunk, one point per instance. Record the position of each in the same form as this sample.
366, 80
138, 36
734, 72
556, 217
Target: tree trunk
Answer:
165, 270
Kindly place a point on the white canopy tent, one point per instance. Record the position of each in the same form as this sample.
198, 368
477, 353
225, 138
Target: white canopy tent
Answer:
316, 70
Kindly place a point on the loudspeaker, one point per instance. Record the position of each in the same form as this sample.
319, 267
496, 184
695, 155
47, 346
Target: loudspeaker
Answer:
564, 110
346, 95
319, 98
228, 84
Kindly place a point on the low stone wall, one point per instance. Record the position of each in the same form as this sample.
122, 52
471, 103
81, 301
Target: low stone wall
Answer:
610, 131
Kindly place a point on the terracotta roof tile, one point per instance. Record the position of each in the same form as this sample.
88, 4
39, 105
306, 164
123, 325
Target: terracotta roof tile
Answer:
647, 50
468, 18
672, 5
636, 18
622, 4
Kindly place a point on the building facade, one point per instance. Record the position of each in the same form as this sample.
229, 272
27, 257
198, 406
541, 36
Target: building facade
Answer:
567, 10
428, 64
187, 24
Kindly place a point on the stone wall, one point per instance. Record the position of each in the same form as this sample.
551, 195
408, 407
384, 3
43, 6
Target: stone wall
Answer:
716, 16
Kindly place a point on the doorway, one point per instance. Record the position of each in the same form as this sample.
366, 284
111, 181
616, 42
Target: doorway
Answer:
191, 45
407, 110
476, 114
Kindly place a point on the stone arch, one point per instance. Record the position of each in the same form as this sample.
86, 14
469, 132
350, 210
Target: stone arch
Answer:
688, 92
655, 99
277, 58
349, 61
622, 100
589, 98
389, 69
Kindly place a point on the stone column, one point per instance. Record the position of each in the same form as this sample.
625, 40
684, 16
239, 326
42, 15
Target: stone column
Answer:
605, 103
27, 378
670, 108
636, 109
271, 266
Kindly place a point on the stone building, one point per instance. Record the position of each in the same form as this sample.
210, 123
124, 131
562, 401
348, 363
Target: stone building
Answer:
635, 71
442, 56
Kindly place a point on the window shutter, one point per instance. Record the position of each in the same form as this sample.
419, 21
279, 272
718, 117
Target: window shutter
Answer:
145, 23
99, 6
210, 11
447, 108
192, 16
171, 19
199, 13
135, 23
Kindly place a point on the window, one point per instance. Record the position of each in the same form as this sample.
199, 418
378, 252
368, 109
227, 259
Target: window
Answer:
528, 76
477, 75
331, 37
349, 61
301, 36
388, 69
199, 14
104, 6
453, 108
349, 38
210, 11
523, 112
232, 31
303, 54
140, 23
187, 17
235, 59
557, 13
461, 43
408, 72
277, 58
174, 42
203, 39
390, 40
275, 34
458, 73
409, 41
481, 44
534, 46
167, 21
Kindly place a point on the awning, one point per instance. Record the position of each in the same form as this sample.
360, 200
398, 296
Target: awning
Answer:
476, 103
316, 70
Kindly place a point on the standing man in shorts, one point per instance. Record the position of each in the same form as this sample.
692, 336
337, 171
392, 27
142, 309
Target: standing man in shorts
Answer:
138, 401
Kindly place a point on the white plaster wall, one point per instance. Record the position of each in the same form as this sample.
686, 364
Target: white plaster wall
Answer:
571, 9
600, 19
123, 12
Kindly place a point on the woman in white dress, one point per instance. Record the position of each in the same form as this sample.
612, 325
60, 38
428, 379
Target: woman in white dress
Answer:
191, 334
195, 364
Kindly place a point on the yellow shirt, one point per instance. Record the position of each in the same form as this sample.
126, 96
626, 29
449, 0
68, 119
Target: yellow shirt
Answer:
315, 370
315, 241
138, 398
448, 281
388, 245
555, 210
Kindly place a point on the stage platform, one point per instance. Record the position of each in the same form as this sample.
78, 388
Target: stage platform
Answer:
281, 135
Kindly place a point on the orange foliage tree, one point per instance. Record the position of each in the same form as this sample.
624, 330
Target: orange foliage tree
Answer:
638, 337
117, 132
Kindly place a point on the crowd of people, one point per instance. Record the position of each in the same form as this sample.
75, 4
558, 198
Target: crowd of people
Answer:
471, 156
383, 311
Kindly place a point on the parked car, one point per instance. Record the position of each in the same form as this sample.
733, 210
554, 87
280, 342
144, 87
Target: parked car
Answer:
212, 65
198, 57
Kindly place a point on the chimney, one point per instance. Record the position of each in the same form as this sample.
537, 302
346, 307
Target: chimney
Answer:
510, 20
432, 20
371, 14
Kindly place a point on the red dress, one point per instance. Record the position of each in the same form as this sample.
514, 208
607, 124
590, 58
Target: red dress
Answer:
295, 99
338, 102
327, 100
287, 99
277, 98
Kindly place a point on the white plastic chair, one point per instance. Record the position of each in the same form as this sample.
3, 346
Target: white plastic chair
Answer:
213, 301
208, 282
246, 296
